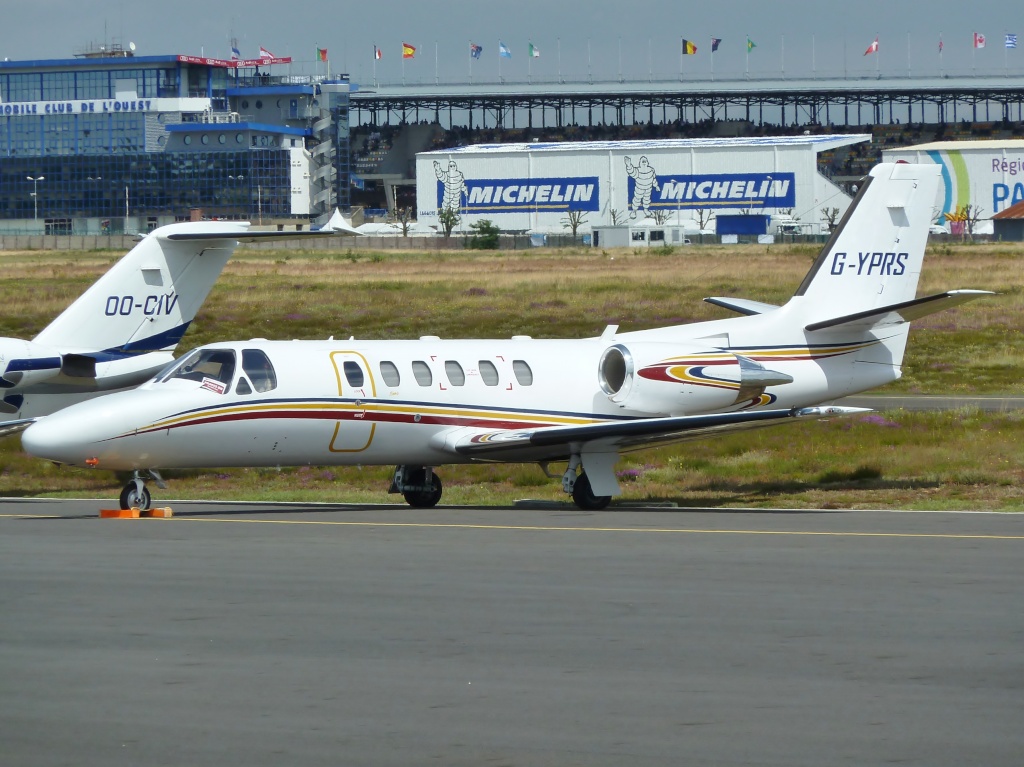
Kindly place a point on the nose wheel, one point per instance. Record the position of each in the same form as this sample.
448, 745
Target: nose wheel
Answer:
135, 495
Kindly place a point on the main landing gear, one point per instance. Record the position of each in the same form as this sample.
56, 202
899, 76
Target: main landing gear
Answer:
578, 485
135, 494
419, 484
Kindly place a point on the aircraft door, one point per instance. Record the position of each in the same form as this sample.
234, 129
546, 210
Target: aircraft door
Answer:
354, 429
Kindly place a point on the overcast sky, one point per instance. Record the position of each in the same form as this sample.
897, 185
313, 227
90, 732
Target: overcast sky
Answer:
637, 39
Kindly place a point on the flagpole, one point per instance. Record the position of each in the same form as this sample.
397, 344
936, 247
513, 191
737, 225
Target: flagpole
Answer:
878, 60
620, 58
711, 48
499, 61
680, 59
814, 70
940, 54
403, 63
529, 64
375, 64
1004, 54
590, 73
650, 63
559, 45
782, 61
469, 60
908, 53
748, 57
437, 79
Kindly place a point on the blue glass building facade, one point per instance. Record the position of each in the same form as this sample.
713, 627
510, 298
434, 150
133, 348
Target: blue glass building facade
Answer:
100, 145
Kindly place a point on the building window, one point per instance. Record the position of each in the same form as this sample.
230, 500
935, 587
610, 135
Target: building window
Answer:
522, 372
638, 236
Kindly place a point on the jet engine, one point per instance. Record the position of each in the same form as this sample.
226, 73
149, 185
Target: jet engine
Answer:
23, 364
669, 379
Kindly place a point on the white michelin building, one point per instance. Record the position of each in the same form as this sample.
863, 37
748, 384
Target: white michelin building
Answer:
533, 187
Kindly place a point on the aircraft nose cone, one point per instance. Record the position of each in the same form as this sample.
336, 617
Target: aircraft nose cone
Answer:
53, 439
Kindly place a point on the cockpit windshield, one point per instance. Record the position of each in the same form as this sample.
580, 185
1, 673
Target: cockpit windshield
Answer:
214, 368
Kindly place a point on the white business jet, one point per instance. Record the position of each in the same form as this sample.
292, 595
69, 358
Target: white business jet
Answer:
125, 327
421, 404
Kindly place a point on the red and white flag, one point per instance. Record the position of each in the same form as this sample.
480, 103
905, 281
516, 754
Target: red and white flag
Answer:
873, 48
265, 54
376, 53
979, 40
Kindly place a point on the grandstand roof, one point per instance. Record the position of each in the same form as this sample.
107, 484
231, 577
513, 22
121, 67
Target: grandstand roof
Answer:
962, 144
818, 142
911, 85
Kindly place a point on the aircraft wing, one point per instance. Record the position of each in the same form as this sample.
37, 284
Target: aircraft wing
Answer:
7, 428
559, 442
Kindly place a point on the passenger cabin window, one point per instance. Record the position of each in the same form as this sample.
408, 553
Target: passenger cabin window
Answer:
389, 372
214, 368
353, 374
257, 366
422, 373
522, 372
456, 375
488, 372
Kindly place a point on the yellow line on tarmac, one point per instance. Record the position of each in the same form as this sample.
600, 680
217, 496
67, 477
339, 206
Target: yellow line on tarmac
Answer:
552, 528
545, 528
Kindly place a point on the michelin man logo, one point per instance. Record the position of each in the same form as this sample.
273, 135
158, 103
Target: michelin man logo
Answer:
454, 185
646, 179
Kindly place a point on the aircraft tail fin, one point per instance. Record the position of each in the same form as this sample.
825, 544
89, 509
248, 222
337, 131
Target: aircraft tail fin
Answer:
147, 300
874, 257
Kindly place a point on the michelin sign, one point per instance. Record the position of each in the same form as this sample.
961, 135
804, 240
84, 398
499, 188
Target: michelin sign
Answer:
513, 195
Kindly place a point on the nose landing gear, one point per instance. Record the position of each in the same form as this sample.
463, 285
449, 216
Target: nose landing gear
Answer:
135, 494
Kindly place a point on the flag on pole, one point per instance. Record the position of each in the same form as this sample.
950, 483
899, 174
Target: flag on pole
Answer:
475, 50
534, 51
979, 40
940, 45
235, 54
408, 51
265, 54
377, 53
688, 48
750, 45
873, 48
714, 43
503, 50
1011, 40
321, 53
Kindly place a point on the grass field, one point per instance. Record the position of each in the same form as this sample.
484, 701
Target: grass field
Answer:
941, 460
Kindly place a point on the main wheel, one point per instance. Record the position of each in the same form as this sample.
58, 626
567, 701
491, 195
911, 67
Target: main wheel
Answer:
423, 499
583, 495
132, 498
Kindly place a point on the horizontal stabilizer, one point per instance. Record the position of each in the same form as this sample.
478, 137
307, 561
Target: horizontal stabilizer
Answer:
559, 441
261, 236
741, 305
894, 314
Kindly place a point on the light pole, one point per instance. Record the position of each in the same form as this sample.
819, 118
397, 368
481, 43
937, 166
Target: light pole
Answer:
234, 196
35, 194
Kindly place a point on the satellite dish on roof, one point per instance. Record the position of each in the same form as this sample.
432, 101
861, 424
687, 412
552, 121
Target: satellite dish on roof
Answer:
131, 46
